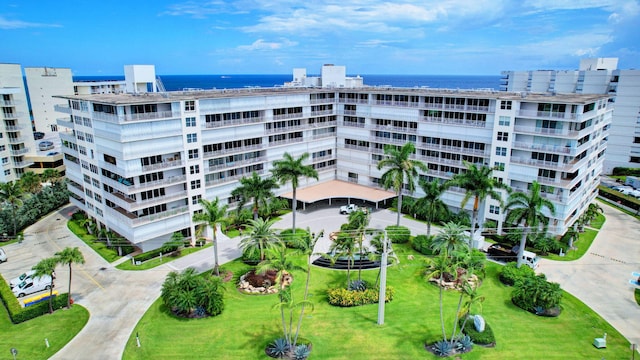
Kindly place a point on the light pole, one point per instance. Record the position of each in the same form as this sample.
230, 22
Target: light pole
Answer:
383, 279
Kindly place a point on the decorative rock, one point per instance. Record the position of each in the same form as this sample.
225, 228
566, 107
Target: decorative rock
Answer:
478, 323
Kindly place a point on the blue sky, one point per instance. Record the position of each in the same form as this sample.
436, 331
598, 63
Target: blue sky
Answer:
460, 37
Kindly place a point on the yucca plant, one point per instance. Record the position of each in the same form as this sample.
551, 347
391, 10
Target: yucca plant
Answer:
301, 352
442, 348
278, 348
358, 285
464, 343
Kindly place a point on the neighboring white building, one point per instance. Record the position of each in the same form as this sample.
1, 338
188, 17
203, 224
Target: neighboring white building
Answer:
595, 76
139, 163
16, 134
332, 76
43, 83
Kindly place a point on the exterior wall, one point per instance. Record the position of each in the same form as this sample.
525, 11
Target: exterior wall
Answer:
140, 164
15, 124
596, 76
43, 84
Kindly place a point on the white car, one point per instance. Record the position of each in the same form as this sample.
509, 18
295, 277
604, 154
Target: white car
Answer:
3, 256
23, 277
32, 285
348, 209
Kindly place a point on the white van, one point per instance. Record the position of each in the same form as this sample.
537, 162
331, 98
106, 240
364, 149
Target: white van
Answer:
23, 277
32, 285
530, 259
3, 256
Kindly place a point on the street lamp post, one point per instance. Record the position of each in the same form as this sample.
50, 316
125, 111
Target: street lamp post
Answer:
383, 280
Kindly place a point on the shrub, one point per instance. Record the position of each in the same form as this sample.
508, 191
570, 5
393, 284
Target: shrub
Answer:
398, 234
301, 352
422, 244
464, 343
346, 298
165, 250
535, 294
292, 240
442, 348
18, 314
481, 338
358, 285
510, 273
619, 171
251, 257
278, 348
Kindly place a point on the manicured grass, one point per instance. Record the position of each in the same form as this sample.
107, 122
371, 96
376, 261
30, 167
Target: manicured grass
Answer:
248, 323
636, 294
28, 337
128, 265
598, 222
582, 245
100, 248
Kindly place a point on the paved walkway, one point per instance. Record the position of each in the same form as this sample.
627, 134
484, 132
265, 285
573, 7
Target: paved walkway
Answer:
118, 299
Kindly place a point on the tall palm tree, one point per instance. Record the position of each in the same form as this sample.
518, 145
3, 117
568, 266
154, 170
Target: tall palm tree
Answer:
478, 183
69, 256
30, 182
430, 205
473, 298
451, 239
358, 222
401, 168
47, 266
291, 170
437, 267
11, 193
344, 245
50, 175
528, 210
212, 214
259, 237
256, 188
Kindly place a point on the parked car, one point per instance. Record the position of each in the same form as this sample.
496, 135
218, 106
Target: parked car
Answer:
3, 256
507, 253
38, 135
45, 145
32, 285
23, 277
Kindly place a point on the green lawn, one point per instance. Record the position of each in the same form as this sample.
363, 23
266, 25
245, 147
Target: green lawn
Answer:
28, 337
149, 264
582, 246
248, 323
100, 248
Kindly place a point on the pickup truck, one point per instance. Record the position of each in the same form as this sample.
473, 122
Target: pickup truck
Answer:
506, 253
348, 209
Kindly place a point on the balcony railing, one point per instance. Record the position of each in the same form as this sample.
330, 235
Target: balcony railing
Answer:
118, 118
545, 131
322, 112
287, 116
12, 115
233, 164
523, 145
394, 128
65, 122
62, 108
286, 141
463, 122
14, 127
222, 152
19, 151
17, 140
286, 129
163, 165
546, 114
232, 122
23, 164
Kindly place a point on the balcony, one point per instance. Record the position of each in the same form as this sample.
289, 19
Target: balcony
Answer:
323, 112
119, 118
131, 205
545, 131
232, 122
395, 128
233, 164
352, 101
13, 114
22, 164
546, 114
163, 165
565, 150
241, 149
552, 197
159, 183
352, 124
14, 127
286, 141
67, 136
63, 109
19, 151
66, 122
462, 122
287, 116
452, 149
132, 220
286, 129
17, 140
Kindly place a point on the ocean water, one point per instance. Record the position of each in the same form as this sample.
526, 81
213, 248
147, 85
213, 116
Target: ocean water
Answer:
180, 82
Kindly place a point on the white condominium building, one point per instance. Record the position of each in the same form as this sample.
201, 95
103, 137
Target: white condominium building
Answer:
139, 163
16, 135
595, 76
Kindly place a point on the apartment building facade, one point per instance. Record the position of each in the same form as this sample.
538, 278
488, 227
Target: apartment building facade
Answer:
139, 163
595, 76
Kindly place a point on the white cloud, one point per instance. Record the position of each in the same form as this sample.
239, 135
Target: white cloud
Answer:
261, 44
6, 24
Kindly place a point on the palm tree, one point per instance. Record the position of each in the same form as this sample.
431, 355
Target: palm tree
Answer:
478, 183
451, 239
401, 167
358, 222
30, 182
87, 223
344, 246
471, 291
212, 214
50, 175
437, 267
430, 205
528, 210
290, 169
11, 193
259, 237
256, 188
47, 266
69, 256
105, 233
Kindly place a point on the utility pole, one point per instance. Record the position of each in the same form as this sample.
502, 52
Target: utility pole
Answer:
383, 279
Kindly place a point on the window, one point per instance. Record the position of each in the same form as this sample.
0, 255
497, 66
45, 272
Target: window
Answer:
7, 172
193, 154
636, 140
195, 184
633, 159
505, 104
190, 105
89, 138
498, 166
3, 148
191, 138
5, 160
494, 209
190, 121
503, 136
196, 199
82, 150
194, 169
504, 121
500, 151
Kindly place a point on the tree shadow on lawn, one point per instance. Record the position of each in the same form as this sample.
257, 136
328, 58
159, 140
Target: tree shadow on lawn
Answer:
259, 340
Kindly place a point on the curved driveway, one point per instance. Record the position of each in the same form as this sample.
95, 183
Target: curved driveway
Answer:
117, 299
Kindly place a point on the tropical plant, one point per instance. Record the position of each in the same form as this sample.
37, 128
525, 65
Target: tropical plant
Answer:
430, 206
478, 183
473, 298
536, 294
47, 266
212, 214
30, 182
452, 238
422, 244
69, 256
442, 348
358, 222
258, 237
301, 352
278, 348
51, 175
291, 170
256, 188
11, 193
187, 294
344, 246
528, 210
437, 267
401, 167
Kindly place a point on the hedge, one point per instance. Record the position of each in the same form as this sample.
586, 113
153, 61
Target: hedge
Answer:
510, 273
619, 171
154, 253
347, 298
422, 244
19, 314
620, 198
398, 234
481, 338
